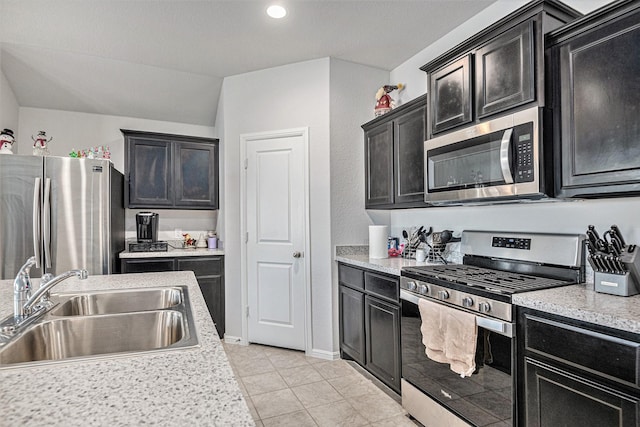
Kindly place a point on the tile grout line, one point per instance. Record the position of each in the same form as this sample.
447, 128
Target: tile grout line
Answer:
279, 356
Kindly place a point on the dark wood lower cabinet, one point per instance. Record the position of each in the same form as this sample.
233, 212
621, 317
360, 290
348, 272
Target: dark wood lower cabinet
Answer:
556, 397
352, 324
382, 321
209, 273
573, 373
146, 265
370, 322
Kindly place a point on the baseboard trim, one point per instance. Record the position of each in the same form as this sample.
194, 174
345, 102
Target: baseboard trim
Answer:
323, 354
230, 339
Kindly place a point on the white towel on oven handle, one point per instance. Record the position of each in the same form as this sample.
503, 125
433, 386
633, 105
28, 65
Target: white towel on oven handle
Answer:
449, 336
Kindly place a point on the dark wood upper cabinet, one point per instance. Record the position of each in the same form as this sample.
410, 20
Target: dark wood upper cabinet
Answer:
170, 171
394, 158
498, 69
150, 172
596, 103
504, 71
196, 174
379, 165
451, 95
409, 135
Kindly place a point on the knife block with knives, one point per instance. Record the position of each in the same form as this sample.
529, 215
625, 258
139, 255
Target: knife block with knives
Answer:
616, 265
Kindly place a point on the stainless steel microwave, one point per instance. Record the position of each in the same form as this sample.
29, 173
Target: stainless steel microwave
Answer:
493, 160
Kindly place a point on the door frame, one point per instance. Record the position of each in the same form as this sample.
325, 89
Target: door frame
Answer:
244, 285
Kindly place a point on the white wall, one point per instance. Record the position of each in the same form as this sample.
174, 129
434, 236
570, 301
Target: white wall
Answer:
352, 99
8, 106
290, 96
71, 130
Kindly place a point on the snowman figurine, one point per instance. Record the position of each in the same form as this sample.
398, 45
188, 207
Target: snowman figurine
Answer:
6, 141
40, 144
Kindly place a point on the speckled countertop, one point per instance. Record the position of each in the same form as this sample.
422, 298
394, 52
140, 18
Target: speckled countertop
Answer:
359, 256
582, 302
174, 250
194, 386
578, 302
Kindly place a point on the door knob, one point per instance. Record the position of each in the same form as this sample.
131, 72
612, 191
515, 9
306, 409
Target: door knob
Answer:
297, 254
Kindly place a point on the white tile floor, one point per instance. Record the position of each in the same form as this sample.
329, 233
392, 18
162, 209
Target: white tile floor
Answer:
286, 388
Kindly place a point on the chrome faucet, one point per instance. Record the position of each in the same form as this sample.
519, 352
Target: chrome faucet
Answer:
22, 288
41, 296
26, 307
24, 302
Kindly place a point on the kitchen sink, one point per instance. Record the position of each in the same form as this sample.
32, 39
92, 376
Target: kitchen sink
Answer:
97, 324
117, 301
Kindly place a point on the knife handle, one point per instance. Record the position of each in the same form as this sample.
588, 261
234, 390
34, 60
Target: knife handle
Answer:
618, 235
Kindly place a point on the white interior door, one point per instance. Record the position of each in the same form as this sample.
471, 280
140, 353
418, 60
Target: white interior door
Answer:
276, 230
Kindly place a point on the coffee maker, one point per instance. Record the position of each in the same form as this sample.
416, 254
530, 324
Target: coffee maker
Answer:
147, 227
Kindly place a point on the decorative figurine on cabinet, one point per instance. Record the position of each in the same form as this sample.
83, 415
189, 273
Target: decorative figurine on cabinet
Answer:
40, 144
384, 103
6, 141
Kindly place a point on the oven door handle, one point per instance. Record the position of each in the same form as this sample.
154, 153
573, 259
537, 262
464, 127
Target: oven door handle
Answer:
505, 153
502, 328
493, 325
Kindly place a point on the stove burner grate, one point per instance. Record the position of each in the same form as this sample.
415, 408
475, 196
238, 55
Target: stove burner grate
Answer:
491, 280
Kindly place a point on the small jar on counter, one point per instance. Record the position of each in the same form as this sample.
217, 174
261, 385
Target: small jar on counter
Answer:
212, 240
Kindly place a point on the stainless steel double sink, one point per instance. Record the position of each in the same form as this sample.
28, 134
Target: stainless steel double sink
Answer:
109, 323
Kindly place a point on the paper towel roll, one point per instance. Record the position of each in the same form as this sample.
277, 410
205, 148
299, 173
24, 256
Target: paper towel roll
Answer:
378, 235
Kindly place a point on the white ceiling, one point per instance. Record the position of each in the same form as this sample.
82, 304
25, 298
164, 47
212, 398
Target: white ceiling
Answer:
165, 59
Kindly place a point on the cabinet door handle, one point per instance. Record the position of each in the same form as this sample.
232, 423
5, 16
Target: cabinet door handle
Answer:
297, 254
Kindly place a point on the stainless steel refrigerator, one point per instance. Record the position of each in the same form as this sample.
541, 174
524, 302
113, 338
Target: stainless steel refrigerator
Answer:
67, 212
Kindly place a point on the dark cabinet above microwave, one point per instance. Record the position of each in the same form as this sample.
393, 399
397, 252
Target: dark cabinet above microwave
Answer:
595, 91
496, 70
451, 94
170, 171
504, 71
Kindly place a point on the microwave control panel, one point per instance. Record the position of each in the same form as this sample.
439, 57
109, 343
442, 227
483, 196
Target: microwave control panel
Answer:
523, 140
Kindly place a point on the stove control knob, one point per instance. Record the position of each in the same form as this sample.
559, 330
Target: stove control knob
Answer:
411, 286
484, 307
442, 295
423, 289
467, 302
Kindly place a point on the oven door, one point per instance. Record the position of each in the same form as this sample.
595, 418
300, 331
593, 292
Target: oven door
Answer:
494, 159
484, 398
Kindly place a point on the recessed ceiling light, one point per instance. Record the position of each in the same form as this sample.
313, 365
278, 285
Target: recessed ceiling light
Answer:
276, 11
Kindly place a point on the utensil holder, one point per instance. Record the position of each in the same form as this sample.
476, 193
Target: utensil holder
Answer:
409, 252
436, 251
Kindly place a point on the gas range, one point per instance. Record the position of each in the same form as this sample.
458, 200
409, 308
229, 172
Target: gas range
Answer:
495, 266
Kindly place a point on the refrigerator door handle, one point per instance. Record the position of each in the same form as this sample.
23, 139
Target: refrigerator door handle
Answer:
36, 221
47, 222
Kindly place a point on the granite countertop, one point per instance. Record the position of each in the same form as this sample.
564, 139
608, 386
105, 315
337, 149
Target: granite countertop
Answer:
194, 386
580, 302
175, 249
359, 256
